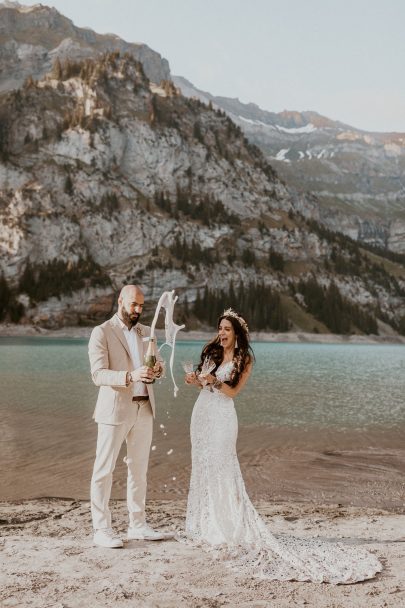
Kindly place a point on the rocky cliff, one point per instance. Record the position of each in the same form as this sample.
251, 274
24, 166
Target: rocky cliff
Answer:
108, 175
356, 176
106, 178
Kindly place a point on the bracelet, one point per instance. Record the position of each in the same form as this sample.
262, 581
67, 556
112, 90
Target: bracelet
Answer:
217, 384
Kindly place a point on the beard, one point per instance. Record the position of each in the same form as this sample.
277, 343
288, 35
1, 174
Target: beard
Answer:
130, 320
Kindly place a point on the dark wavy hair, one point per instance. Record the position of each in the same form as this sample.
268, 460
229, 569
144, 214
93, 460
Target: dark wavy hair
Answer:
243, 354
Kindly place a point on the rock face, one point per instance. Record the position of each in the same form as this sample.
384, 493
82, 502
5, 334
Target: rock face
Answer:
109, 175
356, 176
31, 38
107, 178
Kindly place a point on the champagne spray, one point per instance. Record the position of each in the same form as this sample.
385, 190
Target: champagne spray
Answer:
167, 300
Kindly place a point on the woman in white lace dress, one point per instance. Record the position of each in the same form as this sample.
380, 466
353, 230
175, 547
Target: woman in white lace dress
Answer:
220, 515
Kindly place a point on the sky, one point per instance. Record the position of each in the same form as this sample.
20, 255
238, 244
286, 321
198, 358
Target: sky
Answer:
342, 58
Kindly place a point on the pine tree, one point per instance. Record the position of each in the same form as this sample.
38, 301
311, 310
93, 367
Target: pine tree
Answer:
401, 326
197, 133
4, 128
68, 188
5, 297
26, 280
57, 69
276, 260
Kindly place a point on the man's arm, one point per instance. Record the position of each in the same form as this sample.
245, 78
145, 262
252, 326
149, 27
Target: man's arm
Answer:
99, 362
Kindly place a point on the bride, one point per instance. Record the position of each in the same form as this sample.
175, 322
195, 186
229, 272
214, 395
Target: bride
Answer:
220, 515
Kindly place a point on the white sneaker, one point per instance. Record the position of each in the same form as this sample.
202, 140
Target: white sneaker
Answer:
106, 537
145, 532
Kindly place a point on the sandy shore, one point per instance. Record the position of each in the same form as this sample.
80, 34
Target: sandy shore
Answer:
356, 494
336, 485
47, 560
11, 330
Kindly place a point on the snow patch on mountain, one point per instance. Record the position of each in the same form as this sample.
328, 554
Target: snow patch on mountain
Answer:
309, 128
281, 155
256, 123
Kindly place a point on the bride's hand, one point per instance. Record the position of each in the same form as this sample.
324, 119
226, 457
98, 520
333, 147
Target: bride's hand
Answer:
191, 378
209, 379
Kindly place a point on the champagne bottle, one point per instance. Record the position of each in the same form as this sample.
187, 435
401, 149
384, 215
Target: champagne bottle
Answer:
150, 358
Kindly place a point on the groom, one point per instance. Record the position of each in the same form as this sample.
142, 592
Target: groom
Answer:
124, 411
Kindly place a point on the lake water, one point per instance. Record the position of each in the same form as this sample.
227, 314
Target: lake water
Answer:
47, 400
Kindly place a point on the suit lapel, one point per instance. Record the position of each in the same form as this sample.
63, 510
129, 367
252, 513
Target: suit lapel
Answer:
142, 346
120, 334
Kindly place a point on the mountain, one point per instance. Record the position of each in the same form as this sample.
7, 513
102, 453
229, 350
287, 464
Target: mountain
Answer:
356, 176
107, 177
32, 37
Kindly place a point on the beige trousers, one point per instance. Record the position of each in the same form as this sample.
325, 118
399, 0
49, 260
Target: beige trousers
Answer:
137, 431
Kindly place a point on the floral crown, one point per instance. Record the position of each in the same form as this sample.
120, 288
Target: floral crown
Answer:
229, 312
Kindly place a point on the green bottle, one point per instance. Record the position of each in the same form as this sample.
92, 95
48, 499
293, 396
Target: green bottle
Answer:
150, 358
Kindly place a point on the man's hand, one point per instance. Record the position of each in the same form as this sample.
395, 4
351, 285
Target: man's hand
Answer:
158, 369
142, 374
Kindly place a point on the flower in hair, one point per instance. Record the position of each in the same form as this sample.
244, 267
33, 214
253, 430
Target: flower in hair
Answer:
229, 312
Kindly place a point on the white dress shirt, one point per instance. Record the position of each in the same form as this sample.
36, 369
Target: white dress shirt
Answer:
138, 388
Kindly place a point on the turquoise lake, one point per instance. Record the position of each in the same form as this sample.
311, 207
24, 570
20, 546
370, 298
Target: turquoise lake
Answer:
47, 400
292, 384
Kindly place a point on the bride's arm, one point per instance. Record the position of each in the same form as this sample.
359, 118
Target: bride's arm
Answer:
232, 391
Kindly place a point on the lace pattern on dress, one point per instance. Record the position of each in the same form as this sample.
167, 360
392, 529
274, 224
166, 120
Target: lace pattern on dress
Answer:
222, 520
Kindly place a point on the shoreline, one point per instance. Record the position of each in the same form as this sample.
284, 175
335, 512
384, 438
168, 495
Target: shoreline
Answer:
278, 464
9, 330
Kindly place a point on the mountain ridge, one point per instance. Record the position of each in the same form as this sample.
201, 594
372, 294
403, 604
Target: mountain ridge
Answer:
39, 34
107, 177
286, 118
356, 176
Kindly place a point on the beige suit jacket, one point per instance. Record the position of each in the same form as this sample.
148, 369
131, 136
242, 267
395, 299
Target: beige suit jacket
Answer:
110, 360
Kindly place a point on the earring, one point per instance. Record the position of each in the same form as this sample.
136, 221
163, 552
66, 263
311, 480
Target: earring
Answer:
236, 343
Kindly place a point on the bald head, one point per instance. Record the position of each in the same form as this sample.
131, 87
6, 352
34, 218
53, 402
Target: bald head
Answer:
130, 304
129, 291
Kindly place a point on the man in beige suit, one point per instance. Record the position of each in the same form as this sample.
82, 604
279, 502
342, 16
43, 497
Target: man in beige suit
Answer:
124, 411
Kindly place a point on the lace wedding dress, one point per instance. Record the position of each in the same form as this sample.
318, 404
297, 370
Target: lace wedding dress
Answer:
221, 518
